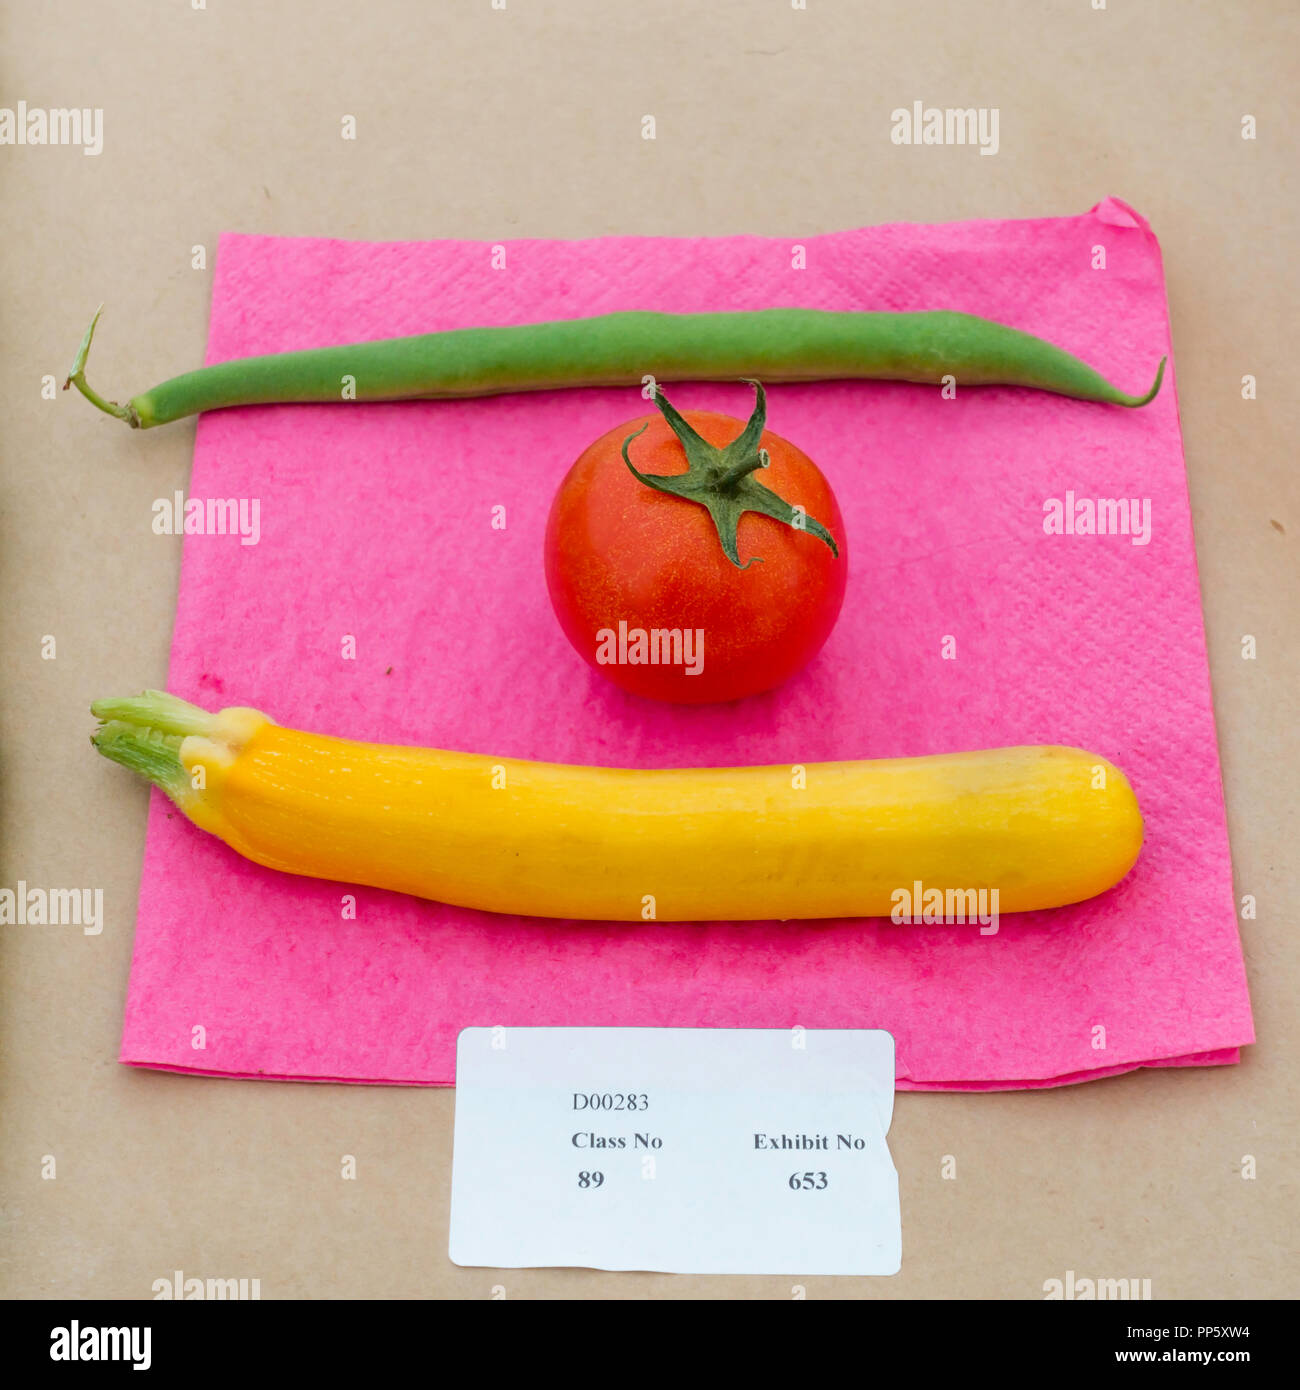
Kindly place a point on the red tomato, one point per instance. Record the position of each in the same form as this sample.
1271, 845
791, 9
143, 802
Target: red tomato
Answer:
626, 564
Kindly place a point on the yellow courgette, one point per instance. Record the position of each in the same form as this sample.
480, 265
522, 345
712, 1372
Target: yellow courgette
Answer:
1040, 826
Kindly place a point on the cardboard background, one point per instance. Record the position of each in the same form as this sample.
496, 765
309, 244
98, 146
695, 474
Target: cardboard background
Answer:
526, 122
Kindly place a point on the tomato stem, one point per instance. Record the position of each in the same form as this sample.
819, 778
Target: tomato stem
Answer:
742, 469
721, 479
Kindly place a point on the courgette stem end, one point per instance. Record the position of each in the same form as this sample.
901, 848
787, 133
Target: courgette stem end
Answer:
144, 733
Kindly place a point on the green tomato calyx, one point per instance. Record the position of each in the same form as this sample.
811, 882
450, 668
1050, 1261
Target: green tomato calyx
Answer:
722, 479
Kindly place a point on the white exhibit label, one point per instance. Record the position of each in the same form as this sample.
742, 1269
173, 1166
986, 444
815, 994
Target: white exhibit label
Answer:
686, 1150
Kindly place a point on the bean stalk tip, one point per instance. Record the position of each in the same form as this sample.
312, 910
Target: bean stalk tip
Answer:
77, 378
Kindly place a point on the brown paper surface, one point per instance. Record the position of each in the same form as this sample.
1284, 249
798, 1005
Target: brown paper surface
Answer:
474, 121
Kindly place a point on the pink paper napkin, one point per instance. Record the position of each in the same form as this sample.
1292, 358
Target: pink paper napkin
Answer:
376, 525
